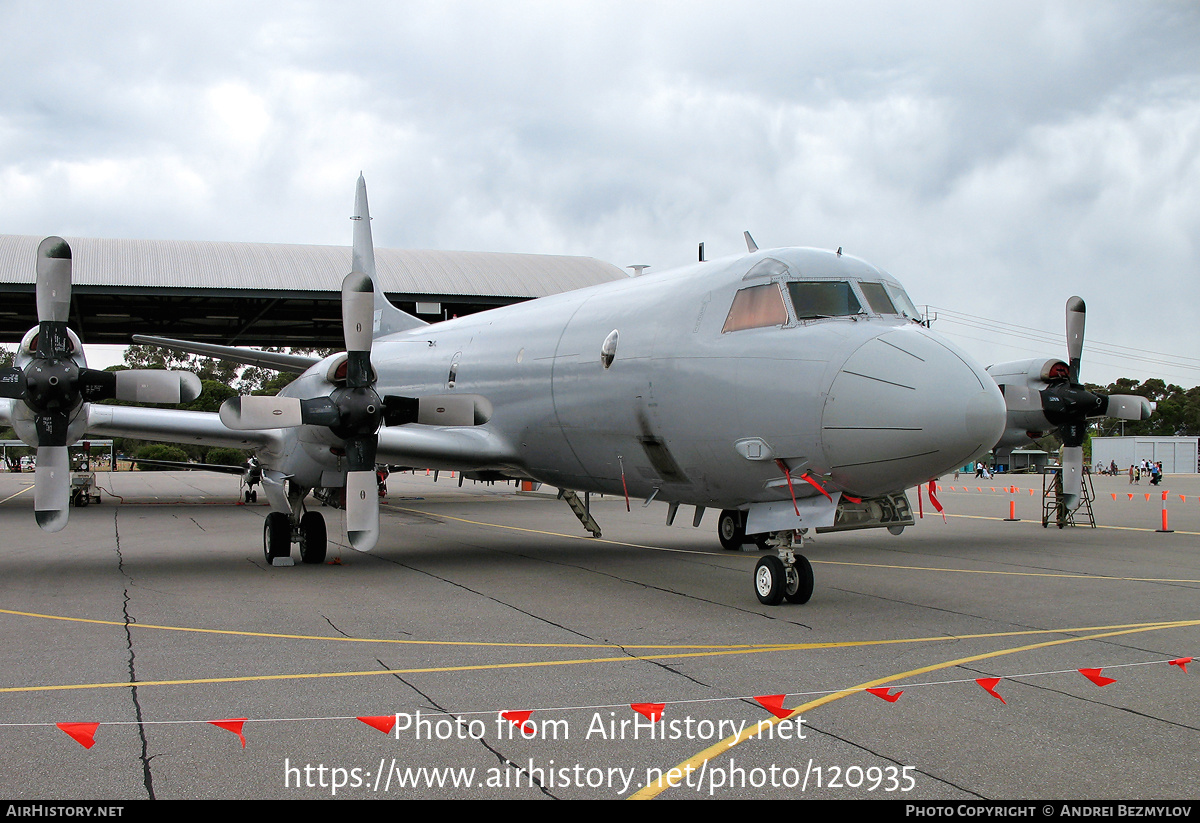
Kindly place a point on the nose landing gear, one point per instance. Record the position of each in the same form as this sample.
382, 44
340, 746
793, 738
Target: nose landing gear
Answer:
786, 576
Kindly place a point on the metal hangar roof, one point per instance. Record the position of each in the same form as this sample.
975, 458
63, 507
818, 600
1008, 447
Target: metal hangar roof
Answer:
266, 293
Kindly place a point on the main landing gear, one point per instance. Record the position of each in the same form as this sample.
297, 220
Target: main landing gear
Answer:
784, 576
281, 530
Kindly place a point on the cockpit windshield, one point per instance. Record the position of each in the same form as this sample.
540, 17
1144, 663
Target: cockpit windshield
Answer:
823, 298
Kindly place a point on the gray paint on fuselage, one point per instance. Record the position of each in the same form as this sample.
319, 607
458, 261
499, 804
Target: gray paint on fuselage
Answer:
561, 417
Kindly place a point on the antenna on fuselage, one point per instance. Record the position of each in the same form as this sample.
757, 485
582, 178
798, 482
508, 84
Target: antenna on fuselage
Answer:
702, 253
638, 269
751, 246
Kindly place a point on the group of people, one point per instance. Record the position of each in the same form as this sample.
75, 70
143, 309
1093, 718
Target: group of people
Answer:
1153, 470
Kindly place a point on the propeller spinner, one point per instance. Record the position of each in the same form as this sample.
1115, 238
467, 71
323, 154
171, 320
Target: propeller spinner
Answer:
52, 380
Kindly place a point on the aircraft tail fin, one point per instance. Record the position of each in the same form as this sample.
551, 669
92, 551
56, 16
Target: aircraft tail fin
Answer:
388, 318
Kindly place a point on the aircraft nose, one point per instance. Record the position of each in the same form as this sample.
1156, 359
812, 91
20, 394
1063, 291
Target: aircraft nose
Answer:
907, 406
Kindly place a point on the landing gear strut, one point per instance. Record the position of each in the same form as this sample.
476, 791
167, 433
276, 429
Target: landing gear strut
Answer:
786, 576
282, 529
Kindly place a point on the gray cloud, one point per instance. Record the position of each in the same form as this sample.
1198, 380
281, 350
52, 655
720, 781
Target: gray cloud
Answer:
995, 157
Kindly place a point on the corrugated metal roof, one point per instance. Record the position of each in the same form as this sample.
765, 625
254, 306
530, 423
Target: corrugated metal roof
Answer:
277, 266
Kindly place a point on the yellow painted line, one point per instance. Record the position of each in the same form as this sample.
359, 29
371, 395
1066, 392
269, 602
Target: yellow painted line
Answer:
1037, 522
750, 647
233, 632
1071, 576
692, 764
11, 496
1136, 627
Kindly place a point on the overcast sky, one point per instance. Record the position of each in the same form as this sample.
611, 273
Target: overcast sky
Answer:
996, 158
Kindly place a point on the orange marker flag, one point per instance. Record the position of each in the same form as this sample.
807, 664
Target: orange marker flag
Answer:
774, 704
1147, 495
1181, 662
1114, 494
883, 693
1182, 498
988, 684
1131, 495
232, 725
651, 711
384, 723
81, 733
1095, 676
518, 719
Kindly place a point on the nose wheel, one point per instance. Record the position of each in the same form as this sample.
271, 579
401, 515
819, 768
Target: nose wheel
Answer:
788, 576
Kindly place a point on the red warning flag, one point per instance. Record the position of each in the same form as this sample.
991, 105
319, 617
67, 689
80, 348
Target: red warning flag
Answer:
883, 693
1095, 676
935, 502
518, 719
1183, 498
651, 711
774, 704
385, 723
1181, 662
988, 684
82, 733
232, 725
1131, 495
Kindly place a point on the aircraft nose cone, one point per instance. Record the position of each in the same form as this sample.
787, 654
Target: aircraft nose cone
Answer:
906, 407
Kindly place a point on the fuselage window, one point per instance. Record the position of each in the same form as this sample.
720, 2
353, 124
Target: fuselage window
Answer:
877, 298
823, 298
756, 307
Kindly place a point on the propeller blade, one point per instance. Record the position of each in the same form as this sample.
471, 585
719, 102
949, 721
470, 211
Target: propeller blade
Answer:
53, 280
1075, 316
358, 311
362, 510
155, 386
1072, 475
12, 383
52, 488
1128, 407
257, 412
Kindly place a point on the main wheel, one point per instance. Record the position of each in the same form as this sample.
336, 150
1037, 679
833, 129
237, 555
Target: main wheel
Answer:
277, 536
312, 538
769, 580
731, 530
799, 581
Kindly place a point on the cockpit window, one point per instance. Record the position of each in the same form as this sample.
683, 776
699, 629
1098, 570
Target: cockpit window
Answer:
877, 298
823, 298
756, 307
903, 303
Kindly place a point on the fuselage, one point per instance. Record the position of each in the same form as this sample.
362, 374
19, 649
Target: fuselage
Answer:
692, 385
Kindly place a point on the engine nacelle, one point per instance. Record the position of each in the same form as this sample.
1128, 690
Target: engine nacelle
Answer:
1022, 383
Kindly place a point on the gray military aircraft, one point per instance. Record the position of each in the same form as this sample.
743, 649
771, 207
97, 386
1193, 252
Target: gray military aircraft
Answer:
791, 389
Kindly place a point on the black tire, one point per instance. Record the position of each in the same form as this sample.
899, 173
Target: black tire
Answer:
769, 580
731, 530
254, 495
312, 538
800, 587
246, 496
277, 536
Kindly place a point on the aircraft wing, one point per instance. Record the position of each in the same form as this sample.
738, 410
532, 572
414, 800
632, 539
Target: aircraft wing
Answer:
184, 466
175, 426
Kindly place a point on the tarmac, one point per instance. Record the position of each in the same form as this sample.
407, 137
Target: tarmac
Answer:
154, 614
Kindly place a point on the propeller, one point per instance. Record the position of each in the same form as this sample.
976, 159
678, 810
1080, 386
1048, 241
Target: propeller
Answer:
52, 380
1068, 405
352, 411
